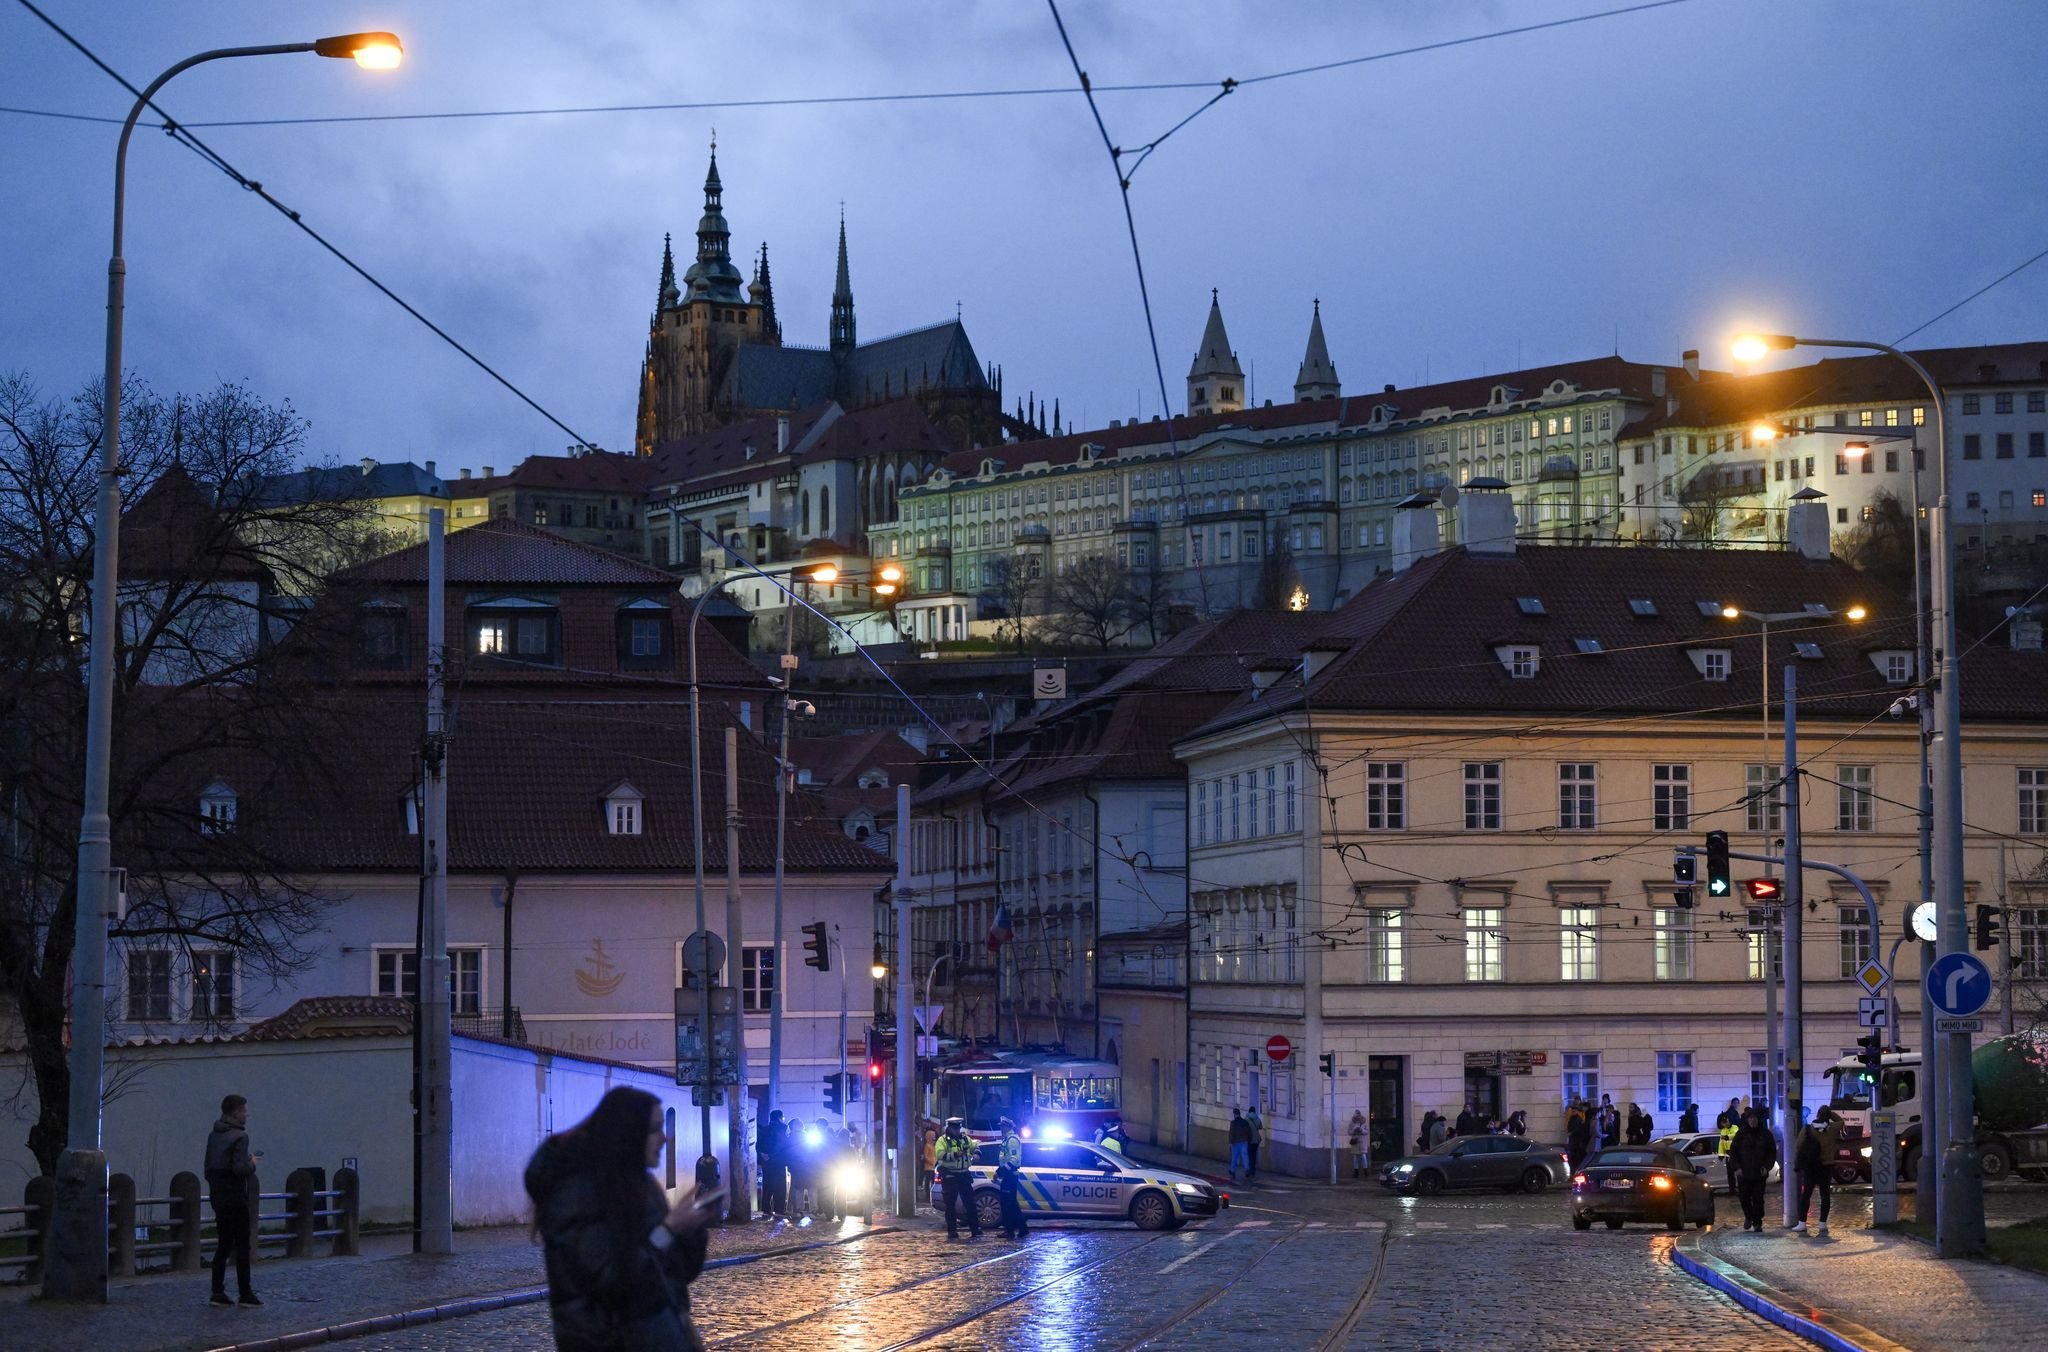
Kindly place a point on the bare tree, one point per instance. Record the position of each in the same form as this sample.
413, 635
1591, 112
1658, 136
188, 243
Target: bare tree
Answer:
1095, 602
218, 661
1278, 577
1012, 598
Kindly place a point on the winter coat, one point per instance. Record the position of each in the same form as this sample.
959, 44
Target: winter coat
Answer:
1439, 1131
774, 1136
609, 1288
1689, 1120
1258, 1126
227, 1159
1753, 1152
1818, 1146
1240, 1131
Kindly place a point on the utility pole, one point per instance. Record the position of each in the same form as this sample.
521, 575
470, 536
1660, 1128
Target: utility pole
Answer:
783, 775
2005, 951
906, 1039
1794, 915
738, 1198
434, 1221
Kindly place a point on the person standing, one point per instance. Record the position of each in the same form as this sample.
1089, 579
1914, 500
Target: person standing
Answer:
956, 1179
1750, 1157
1689, 1120
1610, 1123
1359, 1143
1240, 1145
619, 1257
824, 1159
1818, 1143
1730, 1116
774, 1169
1518, 1123
1439, 1131
1258, 1126
1578, 1134
1010, 1159
229, 1166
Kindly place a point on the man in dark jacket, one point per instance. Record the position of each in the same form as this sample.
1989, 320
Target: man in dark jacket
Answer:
1468, 1121
770, 1150
1750, 1158
229, 1166
1240, 1144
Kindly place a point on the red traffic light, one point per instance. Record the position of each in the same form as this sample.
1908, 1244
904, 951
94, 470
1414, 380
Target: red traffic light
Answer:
1762, 889
874, 1070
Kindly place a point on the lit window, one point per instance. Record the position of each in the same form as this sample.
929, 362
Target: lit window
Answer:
1485, 943
1671, 944
1579, 939
1386, 946
213, 986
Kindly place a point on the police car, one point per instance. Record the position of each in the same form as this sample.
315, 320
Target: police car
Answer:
1072, 1178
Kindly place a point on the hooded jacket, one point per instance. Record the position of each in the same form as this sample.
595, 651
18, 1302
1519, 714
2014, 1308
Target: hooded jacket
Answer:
227, 1158
609, 1288
1753, 1151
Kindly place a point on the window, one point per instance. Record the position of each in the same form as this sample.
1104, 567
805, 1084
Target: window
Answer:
213, 986
2001, 403
643, 635
2033, 803
2030, 941
1855, 803
1760, 1079
1386, 948
217, 809
1575, 796
381, 637
1674, 1081
1522, 663
398, 973
1852, 939
2037, 445
1671, 943
1581, 1077
1482, 795
1236, 807
625, 818
1386, 795
1760, 940
1714, 664
1290, 826
1202, 813
527, 635
2004, 444
149, 984
757, 978
1579, 941
1973, 446
1671, 797
1972, 404
2037, 401
1762, 806
1484, 943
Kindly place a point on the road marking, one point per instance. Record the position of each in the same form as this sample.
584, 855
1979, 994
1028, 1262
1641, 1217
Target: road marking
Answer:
1315, 1225
1489, 1227
1251, 1225
1432, 1225
1191, 1257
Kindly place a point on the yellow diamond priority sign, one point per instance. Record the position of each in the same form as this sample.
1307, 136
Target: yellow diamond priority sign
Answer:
1872, 975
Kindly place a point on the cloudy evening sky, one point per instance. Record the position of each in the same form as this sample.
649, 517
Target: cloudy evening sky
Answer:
1842, 167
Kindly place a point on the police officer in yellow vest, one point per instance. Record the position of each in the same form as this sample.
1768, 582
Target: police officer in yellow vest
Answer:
956, 1180
1728, 1136
1008, 1161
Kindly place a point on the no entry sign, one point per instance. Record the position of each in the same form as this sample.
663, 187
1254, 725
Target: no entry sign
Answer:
1279, 1048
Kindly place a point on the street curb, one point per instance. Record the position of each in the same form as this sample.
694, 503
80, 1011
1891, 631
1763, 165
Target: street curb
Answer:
493, 1300
1816, 1325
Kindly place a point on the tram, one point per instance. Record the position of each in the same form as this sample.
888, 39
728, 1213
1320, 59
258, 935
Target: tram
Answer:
1051, 1096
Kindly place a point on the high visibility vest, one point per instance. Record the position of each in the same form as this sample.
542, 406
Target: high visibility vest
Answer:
1727, 1137
1013, 1151
956, 1152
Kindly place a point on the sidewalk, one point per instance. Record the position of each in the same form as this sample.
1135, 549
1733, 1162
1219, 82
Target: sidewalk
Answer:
1872, 1289
162, 1313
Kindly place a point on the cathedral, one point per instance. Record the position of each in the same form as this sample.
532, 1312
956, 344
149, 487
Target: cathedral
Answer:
715, 354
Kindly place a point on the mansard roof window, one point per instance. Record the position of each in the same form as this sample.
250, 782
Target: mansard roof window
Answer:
624, 809
217, 808
645, 631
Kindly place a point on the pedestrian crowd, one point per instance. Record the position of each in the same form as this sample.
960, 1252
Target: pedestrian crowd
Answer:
814, 1171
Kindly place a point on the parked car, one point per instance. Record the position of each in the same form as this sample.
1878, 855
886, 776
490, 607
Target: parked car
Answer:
1652, 1183
1703, 1148
1073, 1178
1505, 1162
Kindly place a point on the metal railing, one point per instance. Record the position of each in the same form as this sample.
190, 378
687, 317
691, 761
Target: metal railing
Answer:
146, 1234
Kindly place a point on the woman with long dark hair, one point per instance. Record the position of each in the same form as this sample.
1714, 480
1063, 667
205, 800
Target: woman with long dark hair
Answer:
620, 1259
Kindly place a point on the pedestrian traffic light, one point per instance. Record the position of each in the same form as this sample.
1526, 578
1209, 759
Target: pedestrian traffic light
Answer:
1685, 868
1763, 889
1717, 864
817, 952
1989, 927
875, 1071
1329, 1060
852, 1083
833, 1103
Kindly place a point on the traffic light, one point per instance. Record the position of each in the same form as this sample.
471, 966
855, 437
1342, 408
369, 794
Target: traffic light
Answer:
817, 949
852, 1083
1717, 865
1989, 927
1872, 1045
1329, 1060
1685, 868
874, 1072
833, 1103
1763, 889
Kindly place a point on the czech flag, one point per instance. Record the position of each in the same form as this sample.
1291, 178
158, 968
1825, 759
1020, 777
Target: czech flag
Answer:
1001, 931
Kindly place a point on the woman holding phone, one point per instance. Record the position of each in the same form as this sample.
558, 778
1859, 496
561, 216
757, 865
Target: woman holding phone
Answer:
620, 1259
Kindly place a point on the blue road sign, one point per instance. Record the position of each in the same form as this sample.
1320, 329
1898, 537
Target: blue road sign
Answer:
1959, 984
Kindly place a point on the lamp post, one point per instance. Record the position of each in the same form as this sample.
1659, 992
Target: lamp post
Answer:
77, 1269
1959, 1220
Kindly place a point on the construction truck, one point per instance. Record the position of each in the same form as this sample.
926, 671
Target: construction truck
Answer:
2010, 1080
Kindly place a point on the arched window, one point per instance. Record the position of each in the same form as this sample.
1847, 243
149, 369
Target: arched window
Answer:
807, 511
824, 511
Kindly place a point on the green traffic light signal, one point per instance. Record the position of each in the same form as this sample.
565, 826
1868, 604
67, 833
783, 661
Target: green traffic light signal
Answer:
1718, 881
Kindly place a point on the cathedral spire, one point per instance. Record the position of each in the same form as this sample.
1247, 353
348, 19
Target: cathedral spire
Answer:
762, 292
1215, 380
1317, 378
842, 298
712, 276
666, 295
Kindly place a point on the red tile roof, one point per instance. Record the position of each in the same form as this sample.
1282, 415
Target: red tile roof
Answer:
591, 472
511, 552
174, 531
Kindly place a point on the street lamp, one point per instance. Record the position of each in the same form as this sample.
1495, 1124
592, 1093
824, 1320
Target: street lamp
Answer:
77, 1267
1959, 1220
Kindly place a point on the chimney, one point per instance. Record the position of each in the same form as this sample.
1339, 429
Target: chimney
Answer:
1692, 362
1657, 382
465, 474
1415, 531
490, 473
1486, 518
1387, 390
368, 464
430, 470
1806, 525
782, 436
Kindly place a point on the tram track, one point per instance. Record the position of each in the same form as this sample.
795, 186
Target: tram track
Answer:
981, 1312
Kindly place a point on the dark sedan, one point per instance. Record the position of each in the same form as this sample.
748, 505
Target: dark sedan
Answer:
1652, 1183
1505, 1162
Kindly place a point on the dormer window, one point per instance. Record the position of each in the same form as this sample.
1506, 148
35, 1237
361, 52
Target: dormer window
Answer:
1588, 646
859, 824
1642, 607
1530, 605
1522, 660
643, 633
1896, 665
624, 813
1712, 663
217, 808
382, 635
874, 777
516, 630
1709, 609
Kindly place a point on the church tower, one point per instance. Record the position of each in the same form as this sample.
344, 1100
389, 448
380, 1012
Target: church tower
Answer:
842, 300
1317, 378
1215, 381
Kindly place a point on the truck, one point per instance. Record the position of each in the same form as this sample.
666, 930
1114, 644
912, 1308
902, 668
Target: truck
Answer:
2010, 1080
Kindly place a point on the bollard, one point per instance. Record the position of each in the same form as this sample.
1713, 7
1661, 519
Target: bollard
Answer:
41, 1193
185, 1221
299, 1204
121, 1225
349, 1222
252, 1198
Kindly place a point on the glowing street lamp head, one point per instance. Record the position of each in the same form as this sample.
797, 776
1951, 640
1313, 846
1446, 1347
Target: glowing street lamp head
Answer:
1297, 599
371, 51
1730, 613
1750, 347
825, 574
1855, 612
1856, 450
1764, 431
890, 573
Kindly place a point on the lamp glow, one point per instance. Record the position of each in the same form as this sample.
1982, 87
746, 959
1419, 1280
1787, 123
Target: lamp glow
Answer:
825, 574
1730, 613
1749, 347
1855, 612
371, 51
1856, 450
1764, 431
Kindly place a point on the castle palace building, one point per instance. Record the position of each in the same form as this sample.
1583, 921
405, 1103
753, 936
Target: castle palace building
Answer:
715, 355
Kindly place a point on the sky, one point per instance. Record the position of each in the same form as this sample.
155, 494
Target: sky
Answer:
1646, 182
